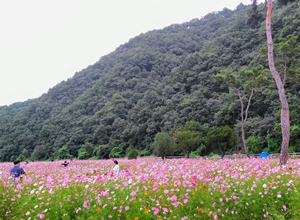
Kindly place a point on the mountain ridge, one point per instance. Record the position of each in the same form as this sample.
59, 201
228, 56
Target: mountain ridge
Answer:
157, 81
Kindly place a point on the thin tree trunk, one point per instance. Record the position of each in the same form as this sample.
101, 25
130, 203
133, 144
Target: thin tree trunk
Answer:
285, 113
244, 117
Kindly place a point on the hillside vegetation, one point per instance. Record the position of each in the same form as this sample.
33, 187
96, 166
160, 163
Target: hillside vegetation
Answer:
163, 81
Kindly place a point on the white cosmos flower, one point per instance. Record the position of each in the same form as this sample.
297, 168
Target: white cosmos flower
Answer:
265, 185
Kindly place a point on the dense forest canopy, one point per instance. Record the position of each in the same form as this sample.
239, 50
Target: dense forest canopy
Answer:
161, 81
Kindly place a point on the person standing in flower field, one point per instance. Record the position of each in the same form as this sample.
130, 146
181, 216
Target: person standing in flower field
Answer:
116, 168
65, 164
17, 171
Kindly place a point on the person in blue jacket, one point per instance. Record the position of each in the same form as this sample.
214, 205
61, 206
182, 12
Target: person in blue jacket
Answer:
17, 171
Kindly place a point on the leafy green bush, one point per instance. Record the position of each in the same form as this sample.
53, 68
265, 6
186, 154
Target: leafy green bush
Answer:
116, 152
144, 152
197, 152
102, 151
163, 144
83, 155
133, 153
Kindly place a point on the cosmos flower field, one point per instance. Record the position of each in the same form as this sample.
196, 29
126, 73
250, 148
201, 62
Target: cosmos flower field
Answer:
151, 188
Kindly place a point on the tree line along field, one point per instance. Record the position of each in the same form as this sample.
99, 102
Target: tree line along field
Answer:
152, 188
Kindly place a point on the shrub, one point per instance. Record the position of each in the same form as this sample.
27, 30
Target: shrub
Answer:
133, 153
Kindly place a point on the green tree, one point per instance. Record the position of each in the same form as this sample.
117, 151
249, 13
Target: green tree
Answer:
7, 152
253, 144
284, 2
187, 141
163, 144
25, 153
73, 150
245, 83
198, 151
86, 151
39, 152
102, 151
133, 153
63, 153
83, 154
21, 157
287, 60
197, 127
116, 152
222, 138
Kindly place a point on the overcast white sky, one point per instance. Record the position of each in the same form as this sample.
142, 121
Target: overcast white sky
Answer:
45, 42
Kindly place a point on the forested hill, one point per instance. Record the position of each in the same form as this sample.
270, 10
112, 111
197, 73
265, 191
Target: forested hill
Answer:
158, 81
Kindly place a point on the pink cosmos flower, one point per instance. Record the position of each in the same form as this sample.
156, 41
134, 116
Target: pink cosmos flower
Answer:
19, 186
48, 185
41, 216
155, 210
175, 204
165, 209
86, 204
104, 194
173, 198
284, 207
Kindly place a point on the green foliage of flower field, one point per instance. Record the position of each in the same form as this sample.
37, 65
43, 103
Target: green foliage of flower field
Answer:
153, 189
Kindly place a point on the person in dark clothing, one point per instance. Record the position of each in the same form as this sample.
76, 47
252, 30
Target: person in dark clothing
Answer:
65, 164
17, 171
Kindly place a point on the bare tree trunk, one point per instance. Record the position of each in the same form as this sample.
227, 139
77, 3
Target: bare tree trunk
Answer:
244, 117
285, 113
